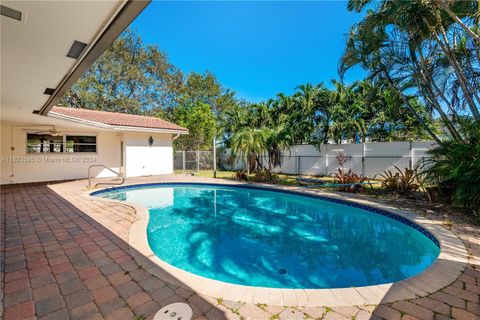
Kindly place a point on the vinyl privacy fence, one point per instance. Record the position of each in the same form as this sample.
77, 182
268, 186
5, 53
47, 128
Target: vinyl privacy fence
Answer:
369, 159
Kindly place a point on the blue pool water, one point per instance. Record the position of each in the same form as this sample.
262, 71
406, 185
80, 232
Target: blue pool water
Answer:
274, 239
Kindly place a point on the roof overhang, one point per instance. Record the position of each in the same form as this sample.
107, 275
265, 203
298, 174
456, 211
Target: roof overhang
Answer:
94, 124
35, 51
119, 21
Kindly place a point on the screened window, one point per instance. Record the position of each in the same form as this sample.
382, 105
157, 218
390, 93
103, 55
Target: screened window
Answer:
44, 143
81, 143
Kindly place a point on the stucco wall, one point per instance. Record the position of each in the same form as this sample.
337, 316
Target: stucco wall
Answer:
28, 167
141, 159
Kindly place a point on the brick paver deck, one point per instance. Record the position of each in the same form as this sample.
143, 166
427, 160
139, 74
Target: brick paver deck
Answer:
66, 256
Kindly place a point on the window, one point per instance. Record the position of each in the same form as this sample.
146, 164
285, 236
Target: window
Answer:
44, 143
81, 144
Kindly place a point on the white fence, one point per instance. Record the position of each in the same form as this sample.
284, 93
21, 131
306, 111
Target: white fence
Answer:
366, 158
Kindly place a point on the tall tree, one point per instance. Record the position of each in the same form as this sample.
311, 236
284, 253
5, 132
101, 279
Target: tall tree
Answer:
205, 88
249, 144
132, 77
200, 120
129, 77
421, 41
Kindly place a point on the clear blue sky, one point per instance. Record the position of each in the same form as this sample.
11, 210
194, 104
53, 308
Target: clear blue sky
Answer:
257, 49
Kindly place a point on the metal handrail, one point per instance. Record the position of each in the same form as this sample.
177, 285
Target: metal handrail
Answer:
109, 169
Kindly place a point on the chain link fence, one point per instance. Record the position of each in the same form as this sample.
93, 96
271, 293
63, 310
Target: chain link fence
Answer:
193, 160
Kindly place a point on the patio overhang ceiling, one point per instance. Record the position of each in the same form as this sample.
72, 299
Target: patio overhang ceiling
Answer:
50, 47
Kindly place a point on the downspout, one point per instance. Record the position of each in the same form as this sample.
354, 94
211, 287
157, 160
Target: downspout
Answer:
12, 148
175, 136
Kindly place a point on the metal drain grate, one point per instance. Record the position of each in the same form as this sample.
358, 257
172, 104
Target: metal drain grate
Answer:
282, 271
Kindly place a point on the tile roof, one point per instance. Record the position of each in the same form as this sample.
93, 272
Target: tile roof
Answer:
116, 119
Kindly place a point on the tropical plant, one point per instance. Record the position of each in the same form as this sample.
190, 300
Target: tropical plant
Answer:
429, 50
265, 176
349, 181
277, 141
423, 48
453, 168
341, 159
317, 115
403, 182
240, 175
249, 144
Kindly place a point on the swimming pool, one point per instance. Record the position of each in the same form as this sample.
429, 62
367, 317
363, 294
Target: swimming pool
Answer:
258, 237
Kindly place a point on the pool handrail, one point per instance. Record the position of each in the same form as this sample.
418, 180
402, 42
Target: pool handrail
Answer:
103, 183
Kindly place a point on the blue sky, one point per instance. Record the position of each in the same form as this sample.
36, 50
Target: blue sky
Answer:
257, 49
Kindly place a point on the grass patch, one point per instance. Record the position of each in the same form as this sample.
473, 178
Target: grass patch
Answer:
207, 173
262, 306
284, 179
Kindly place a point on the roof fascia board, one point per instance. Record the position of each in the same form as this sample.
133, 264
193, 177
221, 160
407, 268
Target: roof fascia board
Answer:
110, 127
124, 16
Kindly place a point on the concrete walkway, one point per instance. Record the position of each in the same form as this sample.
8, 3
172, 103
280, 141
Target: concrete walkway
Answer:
66, 256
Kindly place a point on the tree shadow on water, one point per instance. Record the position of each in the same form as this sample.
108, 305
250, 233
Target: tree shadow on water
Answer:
250, 238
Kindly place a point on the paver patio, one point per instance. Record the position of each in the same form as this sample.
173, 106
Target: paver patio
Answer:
66, 256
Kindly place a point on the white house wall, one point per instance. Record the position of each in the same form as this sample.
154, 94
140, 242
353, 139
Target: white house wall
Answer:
19, 167
141, 159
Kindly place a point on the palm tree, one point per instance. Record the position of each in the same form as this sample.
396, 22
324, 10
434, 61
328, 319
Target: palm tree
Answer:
425, 27
249, 143
303, 117
261, 116
466, 8
277, 140
322, 114
371, 47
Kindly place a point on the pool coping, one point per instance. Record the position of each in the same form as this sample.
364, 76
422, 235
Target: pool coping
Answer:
451, 262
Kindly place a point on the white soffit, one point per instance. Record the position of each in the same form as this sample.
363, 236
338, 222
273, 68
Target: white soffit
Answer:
33, 51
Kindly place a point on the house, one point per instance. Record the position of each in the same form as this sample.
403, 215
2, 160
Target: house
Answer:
76, 139
45, 48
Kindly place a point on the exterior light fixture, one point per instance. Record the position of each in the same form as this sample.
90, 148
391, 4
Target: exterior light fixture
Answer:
150, 141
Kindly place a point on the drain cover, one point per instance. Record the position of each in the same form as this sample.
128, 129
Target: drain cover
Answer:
175, 311
282, 271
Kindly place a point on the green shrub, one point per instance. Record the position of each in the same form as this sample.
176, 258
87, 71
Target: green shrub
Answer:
403, 182
240, 175
355, 182
265, 176
454, 168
